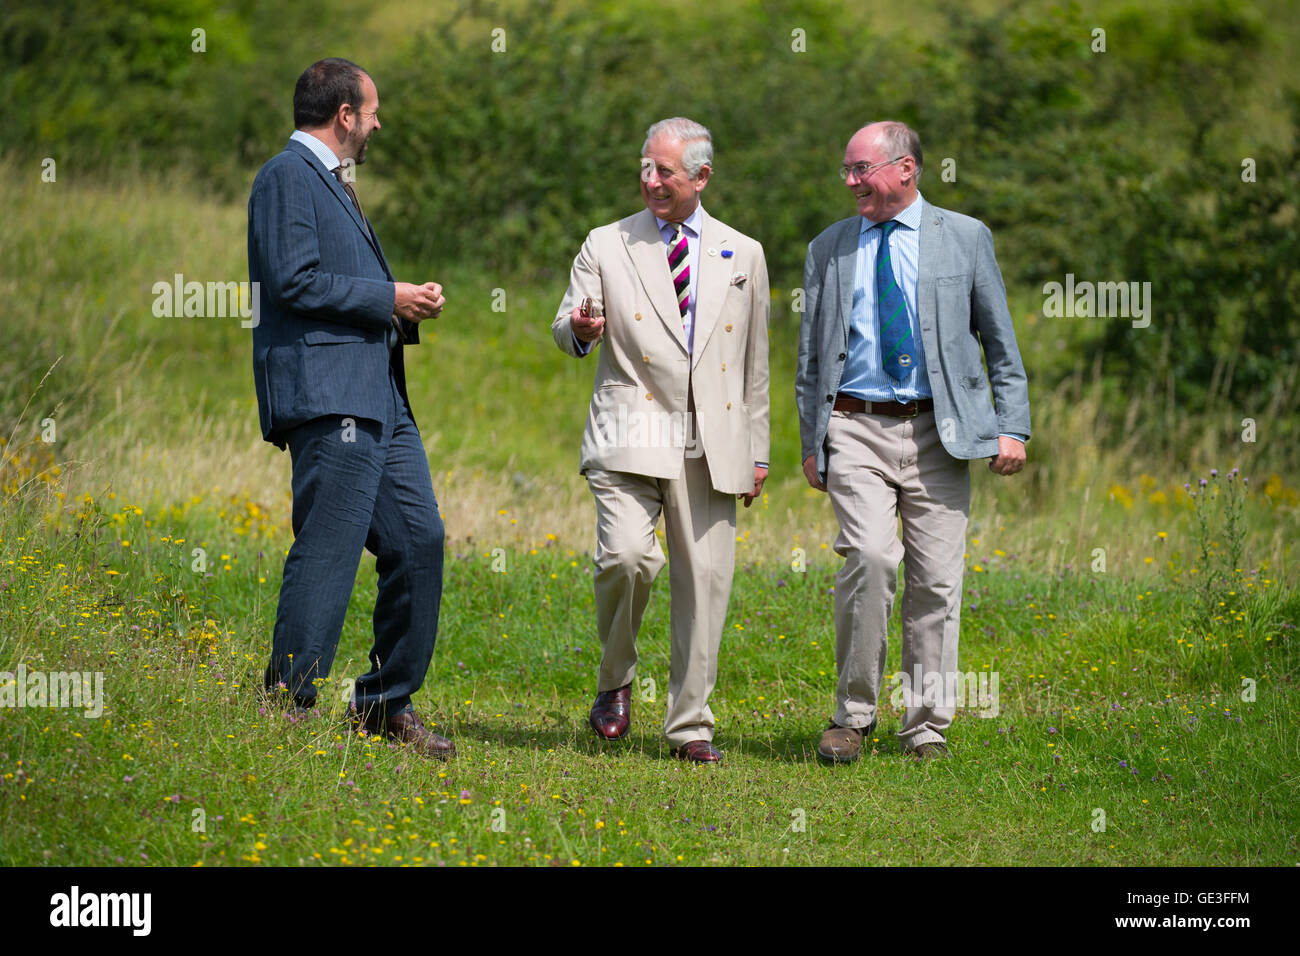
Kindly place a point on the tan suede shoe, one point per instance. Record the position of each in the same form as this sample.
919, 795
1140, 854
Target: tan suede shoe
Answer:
933, 751
843, 744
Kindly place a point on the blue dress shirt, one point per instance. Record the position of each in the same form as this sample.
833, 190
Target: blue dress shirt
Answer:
864, 377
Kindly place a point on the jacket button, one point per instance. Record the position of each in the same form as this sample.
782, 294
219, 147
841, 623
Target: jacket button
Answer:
843, 356
728, 404
831, 399
638, 316
646, 359
728, 327
649, 397
724, 366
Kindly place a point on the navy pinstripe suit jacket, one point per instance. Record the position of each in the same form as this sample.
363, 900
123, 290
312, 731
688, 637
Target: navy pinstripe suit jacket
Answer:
322, 342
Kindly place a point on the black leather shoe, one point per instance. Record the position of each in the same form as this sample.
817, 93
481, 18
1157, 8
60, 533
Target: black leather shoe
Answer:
611, 714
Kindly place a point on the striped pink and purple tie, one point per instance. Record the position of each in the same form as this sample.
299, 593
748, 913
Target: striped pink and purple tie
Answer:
680, 269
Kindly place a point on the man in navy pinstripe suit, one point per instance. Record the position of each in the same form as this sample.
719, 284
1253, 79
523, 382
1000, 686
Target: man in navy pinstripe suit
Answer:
331, 387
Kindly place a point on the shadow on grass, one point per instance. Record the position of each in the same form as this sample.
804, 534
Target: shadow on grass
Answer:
796, 744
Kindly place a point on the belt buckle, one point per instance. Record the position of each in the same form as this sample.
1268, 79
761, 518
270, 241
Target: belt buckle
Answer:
916, 408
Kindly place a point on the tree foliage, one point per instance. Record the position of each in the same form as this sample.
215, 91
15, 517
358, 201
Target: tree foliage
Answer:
1104, 141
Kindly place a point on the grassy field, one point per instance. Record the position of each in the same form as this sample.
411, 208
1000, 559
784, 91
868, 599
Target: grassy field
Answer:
1113, 698
1144, 641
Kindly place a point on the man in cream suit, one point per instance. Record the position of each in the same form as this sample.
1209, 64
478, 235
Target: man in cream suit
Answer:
678, 423
899, 303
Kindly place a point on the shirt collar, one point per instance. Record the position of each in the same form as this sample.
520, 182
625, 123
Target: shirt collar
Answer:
318, 149
909, 217
691, 223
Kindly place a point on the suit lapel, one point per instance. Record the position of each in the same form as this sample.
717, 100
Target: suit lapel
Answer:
930, 239
383, 260
334, 187
650, 258
846, 263
711, 287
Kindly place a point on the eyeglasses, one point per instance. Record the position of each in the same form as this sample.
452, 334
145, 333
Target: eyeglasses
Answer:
648, 167
862, 170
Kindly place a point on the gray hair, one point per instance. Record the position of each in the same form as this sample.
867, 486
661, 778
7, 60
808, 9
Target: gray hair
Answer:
698, 140
899, 139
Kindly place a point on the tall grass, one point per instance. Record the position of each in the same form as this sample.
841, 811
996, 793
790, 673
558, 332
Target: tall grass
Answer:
146, 541
162, 409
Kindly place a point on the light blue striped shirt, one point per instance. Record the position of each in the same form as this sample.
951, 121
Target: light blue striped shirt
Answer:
319, 149
864, 377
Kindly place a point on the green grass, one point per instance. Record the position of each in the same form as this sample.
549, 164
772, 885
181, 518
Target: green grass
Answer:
1112, 698
156, 423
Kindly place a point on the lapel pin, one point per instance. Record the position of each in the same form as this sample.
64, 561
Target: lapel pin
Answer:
727, 253
712, 251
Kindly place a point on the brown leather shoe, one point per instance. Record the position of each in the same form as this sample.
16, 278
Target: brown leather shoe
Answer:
406, 728
611, 714
929, 751
698, 751
843, 744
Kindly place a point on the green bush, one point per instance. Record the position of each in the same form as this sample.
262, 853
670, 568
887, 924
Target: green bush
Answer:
512, 129
103, 86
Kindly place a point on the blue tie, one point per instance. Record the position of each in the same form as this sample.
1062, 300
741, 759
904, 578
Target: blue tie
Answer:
891, 313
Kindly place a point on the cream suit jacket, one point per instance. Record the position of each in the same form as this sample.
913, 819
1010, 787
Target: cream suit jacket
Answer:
638, 412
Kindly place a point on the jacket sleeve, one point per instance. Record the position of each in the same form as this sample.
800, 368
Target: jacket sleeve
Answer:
992, 318
806, 372
756, 371
584, 281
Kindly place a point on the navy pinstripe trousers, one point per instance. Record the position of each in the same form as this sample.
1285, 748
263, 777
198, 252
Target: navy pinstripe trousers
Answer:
359, 483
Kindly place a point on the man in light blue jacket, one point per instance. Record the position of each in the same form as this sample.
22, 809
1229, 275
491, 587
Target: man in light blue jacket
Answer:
903, 307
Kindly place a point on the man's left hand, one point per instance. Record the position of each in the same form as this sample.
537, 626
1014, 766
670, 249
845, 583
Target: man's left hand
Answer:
760, 475
1011, 456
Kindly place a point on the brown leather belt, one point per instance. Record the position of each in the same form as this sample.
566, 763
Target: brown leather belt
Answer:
847, 403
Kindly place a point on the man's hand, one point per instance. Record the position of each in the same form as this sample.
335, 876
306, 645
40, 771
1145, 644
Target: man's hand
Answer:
810, 472
760, 475
1011, 456
587, 328
416, 302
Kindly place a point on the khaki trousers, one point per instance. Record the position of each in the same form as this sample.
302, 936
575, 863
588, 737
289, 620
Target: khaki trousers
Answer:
700, 526
882, 469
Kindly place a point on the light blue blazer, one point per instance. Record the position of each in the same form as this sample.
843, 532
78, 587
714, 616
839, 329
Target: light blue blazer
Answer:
964, 323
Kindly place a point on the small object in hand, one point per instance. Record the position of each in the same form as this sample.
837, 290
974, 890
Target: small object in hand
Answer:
592, 308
